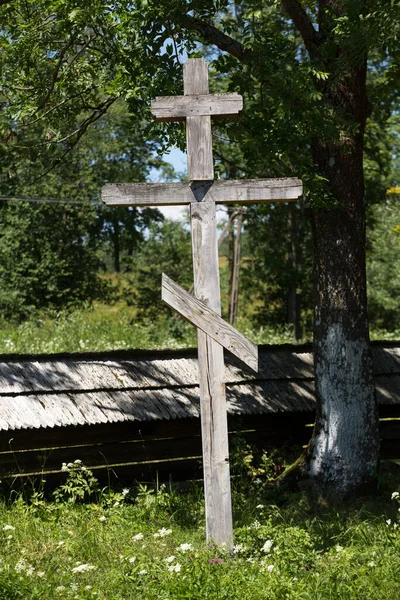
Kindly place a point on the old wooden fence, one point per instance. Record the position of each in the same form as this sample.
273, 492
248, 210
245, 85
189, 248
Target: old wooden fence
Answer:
136, 414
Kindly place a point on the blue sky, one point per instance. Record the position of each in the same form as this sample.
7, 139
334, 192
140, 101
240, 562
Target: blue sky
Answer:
178, 160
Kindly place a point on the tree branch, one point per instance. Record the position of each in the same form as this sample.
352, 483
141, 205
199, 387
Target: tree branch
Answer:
215, 36
56, 71
78, 54
55, 107
311, 37
97, 113
82, 129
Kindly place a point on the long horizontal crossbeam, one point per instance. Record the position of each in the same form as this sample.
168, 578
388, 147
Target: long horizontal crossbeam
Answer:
178, 108
209, 321
249, 191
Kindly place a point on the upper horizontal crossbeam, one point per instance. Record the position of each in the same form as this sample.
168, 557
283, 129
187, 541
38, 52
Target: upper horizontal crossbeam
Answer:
178, 108
248, 191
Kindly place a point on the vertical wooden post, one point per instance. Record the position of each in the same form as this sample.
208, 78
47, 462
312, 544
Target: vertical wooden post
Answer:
234, 297
214, 424
198, 129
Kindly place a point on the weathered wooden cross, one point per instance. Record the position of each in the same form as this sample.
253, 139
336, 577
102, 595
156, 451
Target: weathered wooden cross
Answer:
202, 193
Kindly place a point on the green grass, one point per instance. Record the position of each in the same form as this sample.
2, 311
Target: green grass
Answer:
149, 544
115, 327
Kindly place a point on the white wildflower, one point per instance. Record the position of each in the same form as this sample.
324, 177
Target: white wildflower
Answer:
389, 521
162, 532
270, 568
125, 492
103, 518
21, 565
30, 570
116, 504
257, 481
338, 548
64, 468
137, 537
185, 547
83, 568
8, 528
142, 572
371, 563
170, 559
260, 506
61, 543
60, 588
132, 559
41, 573
88, 587
77, 462
237, 548
395, 495
175, 568
256, 524
267, 546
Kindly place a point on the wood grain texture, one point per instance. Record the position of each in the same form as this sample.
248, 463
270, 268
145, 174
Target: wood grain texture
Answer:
195, 77
199, 149
177, 108
198, 129
244, 191
213, 413
210, 322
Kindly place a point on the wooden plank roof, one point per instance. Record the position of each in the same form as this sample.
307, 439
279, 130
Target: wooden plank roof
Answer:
78, 389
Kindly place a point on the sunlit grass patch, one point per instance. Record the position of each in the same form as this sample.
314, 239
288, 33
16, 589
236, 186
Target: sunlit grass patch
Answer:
142, 542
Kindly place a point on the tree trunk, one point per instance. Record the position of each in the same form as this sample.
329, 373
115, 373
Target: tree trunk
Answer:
116, 245
231, 257
293, 298
343, 452
234, 298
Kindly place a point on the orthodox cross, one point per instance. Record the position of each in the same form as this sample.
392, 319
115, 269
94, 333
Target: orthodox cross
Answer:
202, 193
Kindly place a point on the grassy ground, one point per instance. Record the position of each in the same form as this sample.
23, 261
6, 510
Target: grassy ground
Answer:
145, 544
111, 327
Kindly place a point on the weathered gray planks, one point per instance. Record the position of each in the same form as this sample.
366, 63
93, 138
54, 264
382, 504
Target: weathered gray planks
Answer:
198, 129
283, 384
245, 191
177, 108
214, 424
196, 107
209, 322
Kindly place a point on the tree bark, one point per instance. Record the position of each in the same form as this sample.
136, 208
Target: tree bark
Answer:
293, 298
116, 244
343, 452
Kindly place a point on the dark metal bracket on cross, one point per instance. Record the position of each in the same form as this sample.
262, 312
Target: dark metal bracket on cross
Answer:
202, 193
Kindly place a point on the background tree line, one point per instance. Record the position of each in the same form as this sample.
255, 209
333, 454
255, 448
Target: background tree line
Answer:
58, 255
